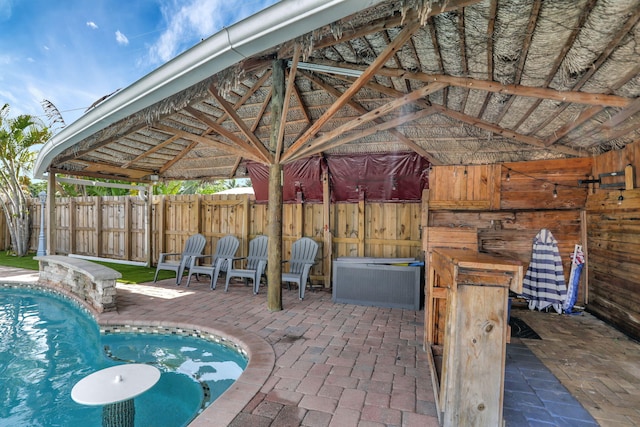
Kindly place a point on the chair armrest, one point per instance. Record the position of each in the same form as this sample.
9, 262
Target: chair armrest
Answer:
163, 256
193, 259
231, 260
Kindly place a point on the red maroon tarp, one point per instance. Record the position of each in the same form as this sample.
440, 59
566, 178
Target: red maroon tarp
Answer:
398, 177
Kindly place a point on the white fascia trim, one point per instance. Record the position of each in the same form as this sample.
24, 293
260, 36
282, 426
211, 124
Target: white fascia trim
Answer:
277, 24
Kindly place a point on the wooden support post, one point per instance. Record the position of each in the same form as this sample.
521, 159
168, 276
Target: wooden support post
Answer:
51, 215
245, 226
160, 227
361, 222
148, 236
328, 244
585, 250
274, 231
197, 213
72, 225
127, 228
274, 209
98, 225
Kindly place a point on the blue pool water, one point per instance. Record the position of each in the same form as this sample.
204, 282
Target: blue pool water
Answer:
48, 343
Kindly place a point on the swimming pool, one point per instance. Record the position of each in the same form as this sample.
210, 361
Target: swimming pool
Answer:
48, 343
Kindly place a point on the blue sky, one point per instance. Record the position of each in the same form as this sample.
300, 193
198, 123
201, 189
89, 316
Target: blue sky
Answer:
72, 52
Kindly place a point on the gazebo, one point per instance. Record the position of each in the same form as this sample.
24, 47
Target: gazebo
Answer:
406, 84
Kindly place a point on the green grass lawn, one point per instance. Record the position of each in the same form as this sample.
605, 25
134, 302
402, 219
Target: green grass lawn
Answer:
130, 273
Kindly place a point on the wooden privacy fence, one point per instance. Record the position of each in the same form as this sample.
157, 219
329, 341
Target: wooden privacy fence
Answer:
115, 226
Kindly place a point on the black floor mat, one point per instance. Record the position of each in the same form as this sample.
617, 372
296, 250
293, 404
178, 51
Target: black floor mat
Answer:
519, 329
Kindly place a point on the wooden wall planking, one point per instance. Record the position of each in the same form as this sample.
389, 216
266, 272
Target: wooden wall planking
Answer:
465, 187
526, 206
613, 242
614, 161
531, 184
613, 236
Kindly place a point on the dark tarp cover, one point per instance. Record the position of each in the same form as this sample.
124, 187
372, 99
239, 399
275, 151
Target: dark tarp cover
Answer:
397, 177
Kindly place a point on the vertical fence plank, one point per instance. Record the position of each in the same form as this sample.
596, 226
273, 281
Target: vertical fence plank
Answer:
114, 227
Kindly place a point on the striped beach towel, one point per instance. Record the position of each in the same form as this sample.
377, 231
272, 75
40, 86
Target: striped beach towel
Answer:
543, 284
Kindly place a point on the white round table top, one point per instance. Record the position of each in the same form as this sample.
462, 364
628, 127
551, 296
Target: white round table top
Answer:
115, 384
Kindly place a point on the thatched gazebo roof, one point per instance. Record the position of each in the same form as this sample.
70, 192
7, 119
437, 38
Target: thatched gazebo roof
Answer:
458, 82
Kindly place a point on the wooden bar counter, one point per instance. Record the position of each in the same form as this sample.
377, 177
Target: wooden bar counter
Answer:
466, 308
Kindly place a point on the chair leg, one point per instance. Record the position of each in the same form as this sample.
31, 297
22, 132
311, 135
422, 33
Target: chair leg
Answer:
216, 272
156, 276
189, 278
179, 274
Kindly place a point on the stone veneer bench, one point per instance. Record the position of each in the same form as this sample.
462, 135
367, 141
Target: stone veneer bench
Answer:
91, 282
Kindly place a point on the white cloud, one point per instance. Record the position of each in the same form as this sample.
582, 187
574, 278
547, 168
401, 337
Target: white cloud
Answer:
5, 10
189, 22
121, 38
6, 59
92, 25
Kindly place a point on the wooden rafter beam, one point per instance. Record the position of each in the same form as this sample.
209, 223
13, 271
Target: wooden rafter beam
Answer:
79, 153
137, 176
575, 97
178, 157
463, 56
258, 84
240, 150
412, 145
623, 115
226, 147
482, 124
533, 19
436, 47
251, 151
151, 151
512, 89
387, 40
263, 108
604, 55
235, 166
583, 117
317, 144
393, 93
586, 11
225, 167
347, 137
490, 28
531, 26
303, 105
366, 75
591, 111
255, 142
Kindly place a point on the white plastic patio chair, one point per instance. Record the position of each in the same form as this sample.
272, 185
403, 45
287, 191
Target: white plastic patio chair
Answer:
256, 264
225, 249
192, 248
303, 256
